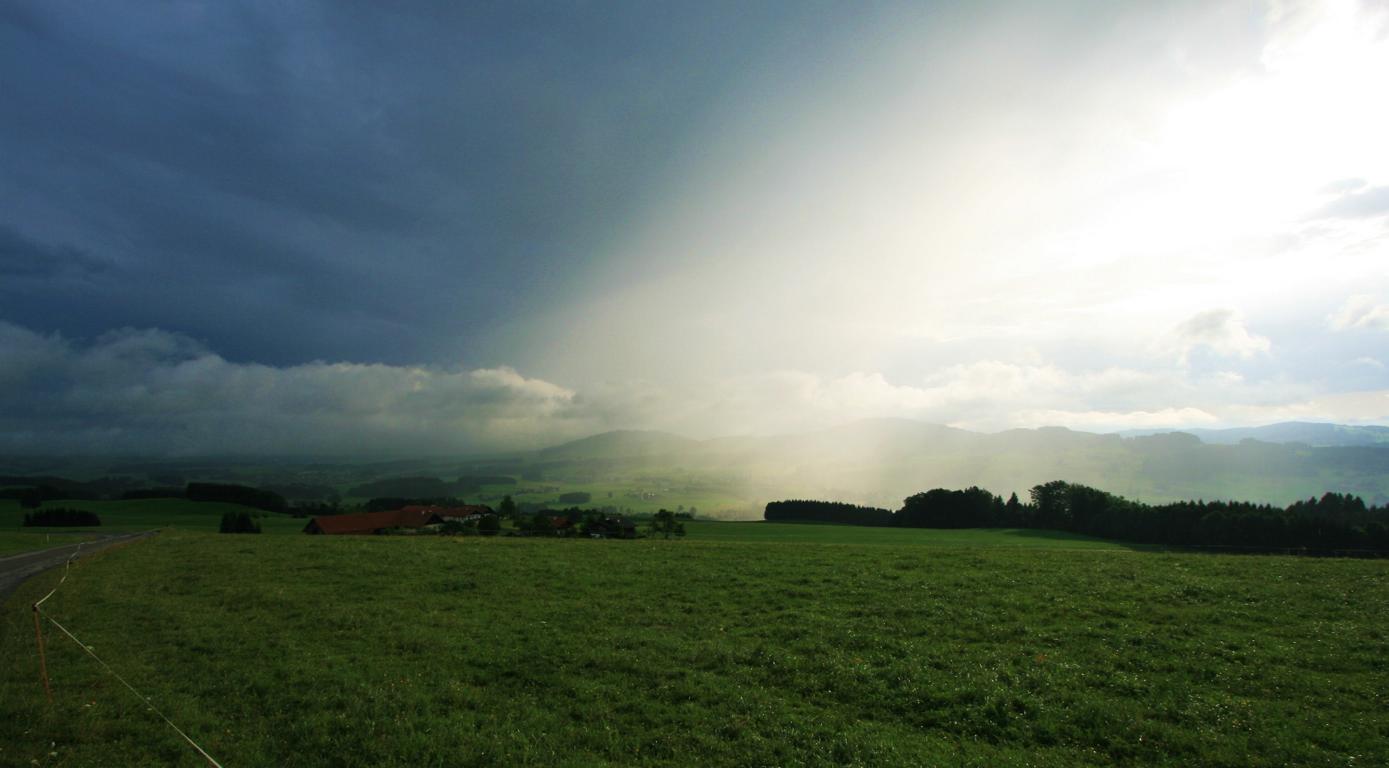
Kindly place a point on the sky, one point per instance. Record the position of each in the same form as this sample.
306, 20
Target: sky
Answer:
413, 228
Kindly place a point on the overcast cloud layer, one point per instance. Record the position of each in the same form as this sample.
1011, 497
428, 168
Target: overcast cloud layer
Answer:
509, 226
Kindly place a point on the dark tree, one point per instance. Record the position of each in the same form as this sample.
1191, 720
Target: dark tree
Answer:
806, 511
507, 508
540, 524
665, 524
941, 508
489, 525
61, 517
238, 522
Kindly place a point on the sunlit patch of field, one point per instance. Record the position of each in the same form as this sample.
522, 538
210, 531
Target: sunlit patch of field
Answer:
395, 651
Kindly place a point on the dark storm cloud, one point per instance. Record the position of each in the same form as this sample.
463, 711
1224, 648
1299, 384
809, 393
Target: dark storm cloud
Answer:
342, 181
21, 257
155, 392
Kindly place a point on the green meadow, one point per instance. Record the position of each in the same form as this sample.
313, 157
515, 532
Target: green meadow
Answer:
24, 540
740, 645
145, 514
814, 533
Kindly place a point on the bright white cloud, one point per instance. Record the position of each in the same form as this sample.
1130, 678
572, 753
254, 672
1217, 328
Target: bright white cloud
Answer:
1004, 220
1111, 421
1220, 331
1361, 311
148, 391
955, 203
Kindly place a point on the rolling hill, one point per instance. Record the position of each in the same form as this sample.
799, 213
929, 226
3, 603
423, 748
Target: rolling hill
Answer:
880, 462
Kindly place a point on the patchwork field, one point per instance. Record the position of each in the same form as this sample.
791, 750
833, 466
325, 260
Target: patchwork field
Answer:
310, 651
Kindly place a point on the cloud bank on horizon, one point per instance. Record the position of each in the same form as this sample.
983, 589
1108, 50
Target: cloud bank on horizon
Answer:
507, 227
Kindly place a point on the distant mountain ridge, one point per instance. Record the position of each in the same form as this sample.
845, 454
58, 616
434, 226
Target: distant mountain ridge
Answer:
1315, 434
885, 431
620, 443
880, 462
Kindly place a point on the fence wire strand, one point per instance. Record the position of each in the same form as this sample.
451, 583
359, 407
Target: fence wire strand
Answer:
38, 609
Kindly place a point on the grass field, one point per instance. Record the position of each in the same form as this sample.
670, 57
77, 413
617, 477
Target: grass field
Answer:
813, 533
144, 514
394, 651
23, 540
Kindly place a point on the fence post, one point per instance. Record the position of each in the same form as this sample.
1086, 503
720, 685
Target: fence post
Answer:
43, 662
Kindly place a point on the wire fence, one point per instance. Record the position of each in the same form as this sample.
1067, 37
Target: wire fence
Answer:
40, 614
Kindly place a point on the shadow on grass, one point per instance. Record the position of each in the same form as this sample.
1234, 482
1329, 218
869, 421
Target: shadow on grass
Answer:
1066, 536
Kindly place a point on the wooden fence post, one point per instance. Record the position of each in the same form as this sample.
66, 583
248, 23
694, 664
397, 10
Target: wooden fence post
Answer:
43, 662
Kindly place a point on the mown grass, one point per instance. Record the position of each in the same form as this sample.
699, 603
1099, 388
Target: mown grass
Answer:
393, 651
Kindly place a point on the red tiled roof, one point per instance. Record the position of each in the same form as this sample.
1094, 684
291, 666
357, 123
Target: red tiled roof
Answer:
370, 522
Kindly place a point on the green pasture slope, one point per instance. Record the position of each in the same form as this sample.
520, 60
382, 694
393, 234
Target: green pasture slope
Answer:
144, 514
400, 651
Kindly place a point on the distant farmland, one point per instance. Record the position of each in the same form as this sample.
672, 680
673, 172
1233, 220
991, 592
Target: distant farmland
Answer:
144, 514
300, 651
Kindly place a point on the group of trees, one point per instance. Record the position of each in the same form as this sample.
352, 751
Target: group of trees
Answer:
61, 517
808, 511
666, 524
550, 522
600, 522
1332, 522
238, 522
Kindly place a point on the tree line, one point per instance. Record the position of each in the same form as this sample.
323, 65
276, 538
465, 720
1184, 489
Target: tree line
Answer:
238, 522
61, 517
1332, 522
808, 511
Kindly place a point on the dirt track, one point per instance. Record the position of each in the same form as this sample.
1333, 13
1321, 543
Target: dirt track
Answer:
15, 569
